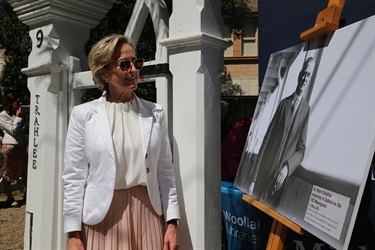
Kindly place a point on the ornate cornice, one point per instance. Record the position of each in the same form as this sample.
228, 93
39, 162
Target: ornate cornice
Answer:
46, 69
83, 12
199, 39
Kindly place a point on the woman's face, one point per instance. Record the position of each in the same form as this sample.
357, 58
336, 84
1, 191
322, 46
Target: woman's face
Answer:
15, 105
121, 80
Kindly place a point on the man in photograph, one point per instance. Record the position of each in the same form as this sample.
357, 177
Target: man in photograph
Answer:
284, 143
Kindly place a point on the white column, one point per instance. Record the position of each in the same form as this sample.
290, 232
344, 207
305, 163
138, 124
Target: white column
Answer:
59, 30
160, 19
196, 49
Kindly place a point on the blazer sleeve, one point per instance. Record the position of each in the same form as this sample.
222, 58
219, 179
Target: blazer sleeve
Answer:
9, 126
75, 171
166, 174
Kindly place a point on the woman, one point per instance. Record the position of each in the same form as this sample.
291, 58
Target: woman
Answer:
13, 147
119, 182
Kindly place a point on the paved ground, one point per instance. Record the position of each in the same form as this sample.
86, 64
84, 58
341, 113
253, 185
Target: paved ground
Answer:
12, 220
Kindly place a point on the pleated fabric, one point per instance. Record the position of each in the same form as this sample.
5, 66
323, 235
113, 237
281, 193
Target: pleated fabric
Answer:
130, 224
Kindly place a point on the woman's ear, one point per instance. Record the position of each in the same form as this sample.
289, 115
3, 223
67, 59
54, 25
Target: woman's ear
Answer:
102, 74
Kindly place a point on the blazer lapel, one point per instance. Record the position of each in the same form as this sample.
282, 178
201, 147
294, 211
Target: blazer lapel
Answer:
146, 122
102, 122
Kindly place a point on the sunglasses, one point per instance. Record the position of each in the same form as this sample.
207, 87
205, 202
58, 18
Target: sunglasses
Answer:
125, 65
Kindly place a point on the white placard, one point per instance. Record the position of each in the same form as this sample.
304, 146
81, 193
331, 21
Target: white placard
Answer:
326, 210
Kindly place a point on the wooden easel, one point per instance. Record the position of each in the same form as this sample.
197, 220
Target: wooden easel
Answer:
279, 227
327, 21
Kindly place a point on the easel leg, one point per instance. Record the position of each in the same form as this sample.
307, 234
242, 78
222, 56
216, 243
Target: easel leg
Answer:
277, 236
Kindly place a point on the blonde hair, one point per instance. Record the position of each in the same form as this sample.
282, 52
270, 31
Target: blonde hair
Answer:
101, 55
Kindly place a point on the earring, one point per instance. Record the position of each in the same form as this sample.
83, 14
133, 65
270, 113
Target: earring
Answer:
105, 80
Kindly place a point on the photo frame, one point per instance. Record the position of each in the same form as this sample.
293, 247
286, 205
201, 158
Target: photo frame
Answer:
321, 183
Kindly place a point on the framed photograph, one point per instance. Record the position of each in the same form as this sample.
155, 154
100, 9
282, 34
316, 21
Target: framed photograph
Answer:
312, 138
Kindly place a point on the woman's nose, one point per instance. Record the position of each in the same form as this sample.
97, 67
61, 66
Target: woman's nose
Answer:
132, 67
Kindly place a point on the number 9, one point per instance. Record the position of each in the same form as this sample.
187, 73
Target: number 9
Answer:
39, 37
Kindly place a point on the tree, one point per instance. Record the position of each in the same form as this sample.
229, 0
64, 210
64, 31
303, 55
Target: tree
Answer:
15, 46
2, 62
228, 88
116, 21
15, 43
234, 14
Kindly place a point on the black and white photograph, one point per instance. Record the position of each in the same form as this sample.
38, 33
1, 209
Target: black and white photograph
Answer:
312, 138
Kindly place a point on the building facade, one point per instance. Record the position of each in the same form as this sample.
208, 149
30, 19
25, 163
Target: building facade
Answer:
240, 85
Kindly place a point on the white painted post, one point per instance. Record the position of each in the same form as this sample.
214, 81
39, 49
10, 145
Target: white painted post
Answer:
59, 30
160, 18
196, 50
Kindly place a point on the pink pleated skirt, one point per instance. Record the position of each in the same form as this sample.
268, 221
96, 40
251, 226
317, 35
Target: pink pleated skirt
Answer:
130, 224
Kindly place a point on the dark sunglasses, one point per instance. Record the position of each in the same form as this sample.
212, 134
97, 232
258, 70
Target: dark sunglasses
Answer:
126, 64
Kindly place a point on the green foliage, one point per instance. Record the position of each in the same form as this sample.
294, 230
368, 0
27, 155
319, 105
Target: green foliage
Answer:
116, 21
14, 37
234, 13
146, 91
228, 88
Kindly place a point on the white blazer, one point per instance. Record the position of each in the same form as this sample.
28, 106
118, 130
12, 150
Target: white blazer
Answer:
89, 164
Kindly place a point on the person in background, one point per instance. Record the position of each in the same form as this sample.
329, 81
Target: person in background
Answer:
232, 148
119, 180
1, 145
13, 147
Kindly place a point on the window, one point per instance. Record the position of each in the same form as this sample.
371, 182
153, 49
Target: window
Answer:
247, 45
249, 39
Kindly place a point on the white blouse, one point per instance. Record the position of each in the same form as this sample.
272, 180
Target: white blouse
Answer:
13, 128
127, 141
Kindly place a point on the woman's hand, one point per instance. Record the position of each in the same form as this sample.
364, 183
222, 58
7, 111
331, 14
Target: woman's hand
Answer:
19, 111
171, 241
74, 242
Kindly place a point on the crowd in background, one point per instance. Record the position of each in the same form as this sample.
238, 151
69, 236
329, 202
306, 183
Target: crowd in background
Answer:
13, 158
